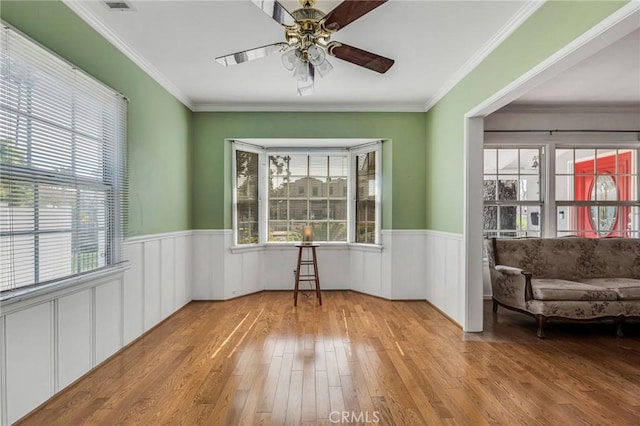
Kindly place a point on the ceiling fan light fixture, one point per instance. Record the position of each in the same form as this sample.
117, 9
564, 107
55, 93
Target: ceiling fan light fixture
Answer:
316, 55
290, 59
301, 71
304, 73
324, 68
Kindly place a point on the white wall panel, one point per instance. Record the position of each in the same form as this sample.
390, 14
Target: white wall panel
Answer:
408, 270
75, 345
228, 279
251, 273
29, 354
453, 280
108, 320
167, 277
386, 257
438, 273
445, 288
202, 263
152, 311
52, 340
356, 273
372, 271
183, 271
278, 265
133, 289
333, 268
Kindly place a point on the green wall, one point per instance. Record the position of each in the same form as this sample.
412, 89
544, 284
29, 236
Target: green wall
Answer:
403, 187
179, 178
552, 27
158, 124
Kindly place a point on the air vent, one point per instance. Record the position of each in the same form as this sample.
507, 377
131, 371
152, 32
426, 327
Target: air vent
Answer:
119, 6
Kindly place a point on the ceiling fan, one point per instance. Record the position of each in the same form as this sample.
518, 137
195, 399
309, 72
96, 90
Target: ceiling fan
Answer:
307, 32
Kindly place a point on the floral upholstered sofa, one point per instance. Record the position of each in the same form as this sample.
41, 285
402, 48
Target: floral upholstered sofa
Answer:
568, 277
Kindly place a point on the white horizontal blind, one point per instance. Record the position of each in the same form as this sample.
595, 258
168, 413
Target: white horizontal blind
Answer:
62, 167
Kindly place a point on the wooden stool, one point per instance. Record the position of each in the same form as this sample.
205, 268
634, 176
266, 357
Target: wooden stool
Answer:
307, 277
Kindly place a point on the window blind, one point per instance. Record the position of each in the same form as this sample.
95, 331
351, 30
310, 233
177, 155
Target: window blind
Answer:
62, 167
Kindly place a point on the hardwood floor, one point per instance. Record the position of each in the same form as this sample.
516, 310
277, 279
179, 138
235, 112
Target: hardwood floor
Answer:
259, 360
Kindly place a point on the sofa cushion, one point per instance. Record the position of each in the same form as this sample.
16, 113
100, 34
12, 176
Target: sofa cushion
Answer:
556, 289
578, 309
627, 288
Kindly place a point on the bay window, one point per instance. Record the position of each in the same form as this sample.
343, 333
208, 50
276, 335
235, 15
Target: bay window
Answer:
280, 191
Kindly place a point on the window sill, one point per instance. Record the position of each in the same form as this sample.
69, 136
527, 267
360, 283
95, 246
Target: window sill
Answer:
291, 246
375, 248
21, 298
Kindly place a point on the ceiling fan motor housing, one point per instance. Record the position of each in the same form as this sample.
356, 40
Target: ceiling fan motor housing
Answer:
308, 29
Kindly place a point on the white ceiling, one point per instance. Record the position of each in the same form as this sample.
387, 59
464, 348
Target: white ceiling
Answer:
611, 77
434, 44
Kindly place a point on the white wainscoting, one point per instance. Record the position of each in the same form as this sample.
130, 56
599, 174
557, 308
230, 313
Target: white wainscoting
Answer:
412, 265
48, 342
444, 272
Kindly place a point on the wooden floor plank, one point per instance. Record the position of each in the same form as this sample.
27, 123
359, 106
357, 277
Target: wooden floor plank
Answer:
259, 360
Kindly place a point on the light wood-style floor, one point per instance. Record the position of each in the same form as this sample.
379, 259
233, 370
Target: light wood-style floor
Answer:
258, 360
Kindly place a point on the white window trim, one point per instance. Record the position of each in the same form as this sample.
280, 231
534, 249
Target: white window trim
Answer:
351, 193
263, 191
239, 146
542, 203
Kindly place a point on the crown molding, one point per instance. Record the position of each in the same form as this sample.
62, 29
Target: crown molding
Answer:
80, 9
528, 9
569, 108
284, 107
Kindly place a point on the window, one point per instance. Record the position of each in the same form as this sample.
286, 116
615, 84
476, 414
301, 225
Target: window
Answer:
511, 192
290, 210
62, 187
596, 192
366, 198
247, 196
592, 191
306, 189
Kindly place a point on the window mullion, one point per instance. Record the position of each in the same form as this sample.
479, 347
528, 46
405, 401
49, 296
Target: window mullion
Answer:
548, 168
36, 186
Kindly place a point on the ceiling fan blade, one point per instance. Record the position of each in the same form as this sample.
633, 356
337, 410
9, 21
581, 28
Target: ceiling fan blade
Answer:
276, 11
348, 11
360, 57
250, 55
